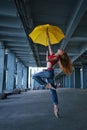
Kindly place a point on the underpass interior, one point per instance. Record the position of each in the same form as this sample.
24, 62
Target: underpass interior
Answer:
22, 105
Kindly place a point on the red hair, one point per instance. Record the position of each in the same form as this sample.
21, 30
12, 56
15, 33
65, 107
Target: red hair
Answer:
65, 63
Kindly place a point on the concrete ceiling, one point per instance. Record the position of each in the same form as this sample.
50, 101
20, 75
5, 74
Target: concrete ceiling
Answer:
19, 17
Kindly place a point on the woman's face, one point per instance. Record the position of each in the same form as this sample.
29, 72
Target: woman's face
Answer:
60, 52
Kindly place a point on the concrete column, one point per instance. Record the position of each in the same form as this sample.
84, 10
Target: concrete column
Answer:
72, 80
66, 81
77, 78
63, 80
81, 73
85, 76
25, 74
2, 53
30, 81
19, 75
11, 60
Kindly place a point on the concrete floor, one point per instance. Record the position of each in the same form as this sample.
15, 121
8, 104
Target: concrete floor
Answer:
33, 110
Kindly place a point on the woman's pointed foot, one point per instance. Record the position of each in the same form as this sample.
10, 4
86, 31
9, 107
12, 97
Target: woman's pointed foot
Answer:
50, 86
56, 111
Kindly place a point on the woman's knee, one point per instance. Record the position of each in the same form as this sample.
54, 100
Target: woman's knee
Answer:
34, 76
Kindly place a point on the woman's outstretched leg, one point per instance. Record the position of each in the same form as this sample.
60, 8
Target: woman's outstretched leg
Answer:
56, 110
55, 102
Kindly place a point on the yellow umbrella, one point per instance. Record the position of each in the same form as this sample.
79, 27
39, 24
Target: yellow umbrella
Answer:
43, 34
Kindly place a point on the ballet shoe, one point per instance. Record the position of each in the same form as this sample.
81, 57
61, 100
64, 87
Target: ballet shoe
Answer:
50, 86
56, 111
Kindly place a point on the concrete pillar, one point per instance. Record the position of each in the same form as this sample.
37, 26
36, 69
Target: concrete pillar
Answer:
2, 53
25, 78
72, 80
19, 75
81, 73
11, 60
63, 80
66, 81
85, 76
30, 81
77, 78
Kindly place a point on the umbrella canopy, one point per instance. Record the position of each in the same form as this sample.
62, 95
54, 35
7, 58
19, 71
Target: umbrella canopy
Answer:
44, 33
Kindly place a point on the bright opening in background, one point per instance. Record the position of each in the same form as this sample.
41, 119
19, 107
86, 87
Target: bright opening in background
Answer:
32, 83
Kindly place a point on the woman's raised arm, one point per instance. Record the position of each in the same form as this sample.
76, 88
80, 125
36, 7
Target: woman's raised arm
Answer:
49, 45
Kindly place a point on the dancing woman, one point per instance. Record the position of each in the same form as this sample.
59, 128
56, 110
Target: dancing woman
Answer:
65, 65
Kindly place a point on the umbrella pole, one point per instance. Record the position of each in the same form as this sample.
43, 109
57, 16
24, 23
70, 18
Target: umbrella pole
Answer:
49, 45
